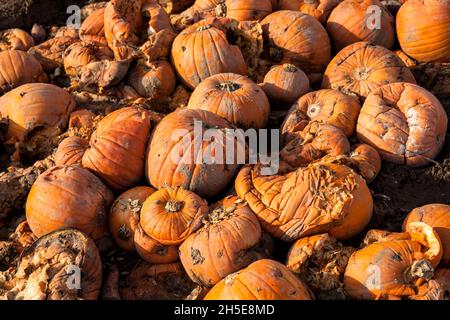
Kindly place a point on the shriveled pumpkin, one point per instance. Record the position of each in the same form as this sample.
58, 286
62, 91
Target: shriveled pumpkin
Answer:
320, 262
422, 29
46, 267
325, 106
70, 151
153, 80
175, 6
319, 9
51, 52
226, 243
316, 141
203, 50
367, 160
117, 147
153, 251
404, 122
15, 39
233, 97
297, 38
148, 281
68, 197
36, 108
177, 157
394, 267
438, 217
285, 84
18, 68
319, 198
93, 27
262, 280
80, 54
357, 20
171, 215
124, 216
360, 68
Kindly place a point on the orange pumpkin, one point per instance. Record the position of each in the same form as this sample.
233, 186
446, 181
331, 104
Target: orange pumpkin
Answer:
233, 97
176, 157
246, 10
15, 39
319, 198
51, 52
404, 122
171, 215
367, 160
438, 217
314, 142
36, 107
393, 267
153, 80
320, 262
93, 27
203, 50
55, 202
151, 250
124, 216
117, 147
46, 266
422, 29
357, 20
297, 38
225, 244
80, 54
285, 84
17, 68
319, 9
262, 280
70, 151
325, 106
361, 68
407, 60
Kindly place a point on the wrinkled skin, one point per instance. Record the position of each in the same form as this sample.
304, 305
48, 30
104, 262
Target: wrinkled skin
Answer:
15, 39
51, 52
70, 151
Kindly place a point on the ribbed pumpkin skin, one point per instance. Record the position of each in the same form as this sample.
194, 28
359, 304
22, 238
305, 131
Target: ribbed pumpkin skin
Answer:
124, 216
70, 151
305, 43
81, 54
15, 39
319, 9
423, 28
55, 201
262, 280
361, 68
248, 10
404, 122
171, 160
18, 68
151, 250
171, 215
223, 245
285, 83
348, 23
36, 105
57, 252
438, 217
117, 148
153, 80
93, 27
326, 106
233, 97
316, 199
203, 50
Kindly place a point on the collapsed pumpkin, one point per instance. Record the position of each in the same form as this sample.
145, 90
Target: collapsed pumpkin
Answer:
15, 39
361, 68
319, 9
404, 122
262, 280
93, 27
319, 198
55, 202
225, 243
233, 97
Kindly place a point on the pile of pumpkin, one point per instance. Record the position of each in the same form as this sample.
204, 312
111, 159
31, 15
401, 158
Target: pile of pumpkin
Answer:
111, 95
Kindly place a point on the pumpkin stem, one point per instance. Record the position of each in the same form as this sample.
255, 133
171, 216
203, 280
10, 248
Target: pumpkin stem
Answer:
420, 269
290, 68
362, 74
219, 214
205, 27
174, 206
229, 86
